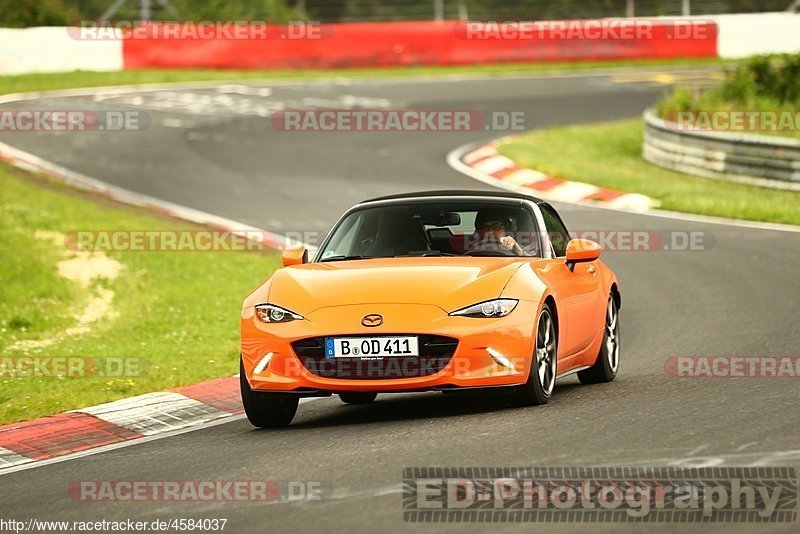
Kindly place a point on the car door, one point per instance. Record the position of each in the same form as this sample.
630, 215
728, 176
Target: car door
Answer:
578, 293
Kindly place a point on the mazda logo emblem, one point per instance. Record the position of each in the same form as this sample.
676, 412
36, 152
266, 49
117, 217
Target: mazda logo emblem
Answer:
372, 319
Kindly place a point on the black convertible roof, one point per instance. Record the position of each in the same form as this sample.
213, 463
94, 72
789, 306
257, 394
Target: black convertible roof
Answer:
458, 193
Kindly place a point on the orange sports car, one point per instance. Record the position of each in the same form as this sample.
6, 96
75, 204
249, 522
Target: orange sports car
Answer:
443, 290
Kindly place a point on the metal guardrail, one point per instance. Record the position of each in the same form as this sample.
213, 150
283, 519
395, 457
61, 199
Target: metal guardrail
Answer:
761, 160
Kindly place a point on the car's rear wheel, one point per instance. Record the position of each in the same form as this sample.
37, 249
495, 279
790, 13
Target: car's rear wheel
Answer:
542, 375
262, 411
357, 398
607, 363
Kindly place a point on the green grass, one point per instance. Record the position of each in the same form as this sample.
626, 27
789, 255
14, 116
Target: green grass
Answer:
177, 311
609, 155
710, 102
766, 83
42, 82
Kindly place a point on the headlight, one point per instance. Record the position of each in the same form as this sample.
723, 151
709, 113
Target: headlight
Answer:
269, 313
490, 308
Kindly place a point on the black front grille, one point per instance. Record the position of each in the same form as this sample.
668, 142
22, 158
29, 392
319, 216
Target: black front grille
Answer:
435, 353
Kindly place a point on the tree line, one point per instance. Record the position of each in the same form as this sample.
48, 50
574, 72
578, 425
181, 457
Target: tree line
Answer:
23, 13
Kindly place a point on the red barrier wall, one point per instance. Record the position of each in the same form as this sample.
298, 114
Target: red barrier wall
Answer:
421, 43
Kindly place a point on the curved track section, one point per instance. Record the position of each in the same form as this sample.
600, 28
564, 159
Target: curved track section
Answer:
213, 149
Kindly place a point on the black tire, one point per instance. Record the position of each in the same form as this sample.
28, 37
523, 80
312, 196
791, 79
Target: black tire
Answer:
265, 412
607, 364
539, 388
357, 398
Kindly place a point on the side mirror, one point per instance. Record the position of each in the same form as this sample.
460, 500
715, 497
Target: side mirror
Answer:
294, 257
581, 250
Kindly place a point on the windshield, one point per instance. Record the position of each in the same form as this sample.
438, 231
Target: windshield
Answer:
449, 228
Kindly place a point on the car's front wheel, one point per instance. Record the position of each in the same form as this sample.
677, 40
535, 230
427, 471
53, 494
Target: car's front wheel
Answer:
542, 376
357, 398
265, 412
607, 363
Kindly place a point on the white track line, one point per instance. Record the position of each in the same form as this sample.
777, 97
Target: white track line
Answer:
347, 80
525, 177
130, 443
155, 413
455, 163
569, 191
33, 163
9, 459
493, 164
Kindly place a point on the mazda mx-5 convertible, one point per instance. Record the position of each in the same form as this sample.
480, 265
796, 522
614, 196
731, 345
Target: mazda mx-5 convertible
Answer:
444, 290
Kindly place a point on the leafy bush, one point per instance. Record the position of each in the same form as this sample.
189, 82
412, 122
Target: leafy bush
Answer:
762, 82
23, 13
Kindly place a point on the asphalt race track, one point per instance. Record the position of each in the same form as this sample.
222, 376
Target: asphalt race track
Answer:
213, 149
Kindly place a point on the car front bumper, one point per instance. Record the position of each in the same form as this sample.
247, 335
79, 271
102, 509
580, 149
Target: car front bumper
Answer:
484, 349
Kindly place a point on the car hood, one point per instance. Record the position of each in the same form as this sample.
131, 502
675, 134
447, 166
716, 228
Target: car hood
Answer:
449, 283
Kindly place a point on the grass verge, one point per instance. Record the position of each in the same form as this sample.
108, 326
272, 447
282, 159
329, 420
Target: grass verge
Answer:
69, 80
609, 155
766, 87
176, 312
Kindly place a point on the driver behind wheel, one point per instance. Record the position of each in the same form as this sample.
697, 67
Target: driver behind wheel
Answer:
492, 228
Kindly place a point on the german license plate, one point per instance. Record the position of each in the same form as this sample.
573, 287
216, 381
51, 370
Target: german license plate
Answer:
366, 347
